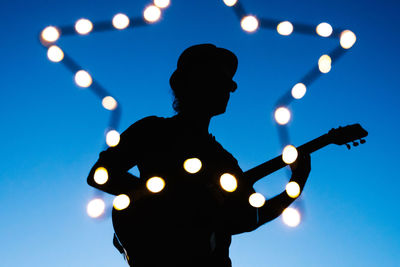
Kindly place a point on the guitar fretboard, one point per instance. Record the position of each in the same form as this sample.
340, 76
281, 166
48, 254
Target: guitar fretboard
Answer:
266, 168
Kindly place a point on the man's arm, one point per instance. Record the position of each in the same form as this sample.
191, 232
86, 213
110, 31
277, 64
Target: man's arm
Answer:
275, 206
118, 180
118, 160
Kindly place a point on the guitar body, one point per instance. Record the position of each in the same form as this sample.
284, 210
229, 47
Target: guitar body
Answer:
170, 224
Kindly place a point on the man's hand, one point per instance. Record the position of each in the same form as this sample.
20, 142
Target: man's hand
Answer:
301, 169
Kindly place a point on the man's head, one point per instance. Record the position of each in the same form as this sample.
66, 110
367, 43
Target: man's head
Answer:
203, 78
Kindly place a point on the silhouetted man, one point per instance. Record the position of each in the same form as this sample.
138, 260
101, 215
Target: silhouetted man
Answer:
191, 220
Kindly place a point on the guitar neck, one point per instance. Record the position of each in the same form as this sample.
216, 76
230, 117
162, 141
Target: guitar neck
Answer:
264, 169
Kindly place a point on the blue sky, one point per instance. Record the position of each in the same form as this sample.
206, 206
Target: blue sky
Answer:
52, 131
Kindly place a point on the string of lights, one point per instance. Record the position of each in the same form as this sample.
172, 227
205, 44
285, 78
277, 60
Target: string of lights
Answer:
250, 24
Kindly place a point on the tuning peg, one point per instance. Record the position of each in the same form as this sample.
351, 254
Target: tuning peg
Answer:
348, 146
355, 143
362, 141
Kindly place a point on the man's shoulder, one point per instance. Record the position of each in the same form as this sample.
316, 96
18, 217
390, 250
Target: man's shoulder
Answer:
150, 120
145, 124
140, 131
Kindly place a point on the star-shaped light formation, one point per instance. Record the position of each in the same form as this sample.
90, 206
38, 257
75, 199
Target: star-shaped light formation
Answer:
250, 24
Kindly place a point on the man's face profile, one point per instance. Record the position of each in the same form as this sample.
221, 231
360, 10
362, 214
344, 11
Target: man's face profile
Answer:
211, 87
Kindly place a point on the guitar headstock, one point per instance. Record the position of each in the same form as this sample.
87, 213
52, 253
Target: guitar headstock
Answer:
347, 134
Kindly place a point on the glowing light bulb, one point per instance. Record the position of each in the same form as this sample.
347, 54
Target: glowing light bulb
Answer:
291, 217
324, 63
95, 208
285, 28
100, 175
162, 3
299, 90
192, 165
155, 184
83, 26
50, 34
109, 103
324, 29
282, 115
289, 154
83, 79
228, 182
121, 202
152, 14
249, 23
347, 39
257, 200
293, 189
120, 21
230, 2
55, 54
112, 138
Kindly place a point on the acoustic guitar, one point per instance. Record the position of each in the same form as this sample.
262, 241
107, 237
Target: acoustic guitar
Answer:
124, 220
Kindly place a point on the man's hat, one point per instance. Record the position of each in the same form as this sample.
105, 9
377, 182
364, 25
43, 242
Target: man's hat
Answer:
203, 56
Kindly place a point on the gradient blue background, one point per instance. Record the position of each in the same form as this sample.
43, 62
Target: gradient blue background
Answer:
52, 131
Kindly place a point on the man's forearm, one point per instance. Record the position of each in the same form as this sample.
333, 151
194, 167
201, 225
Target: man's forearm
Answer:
117, 182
